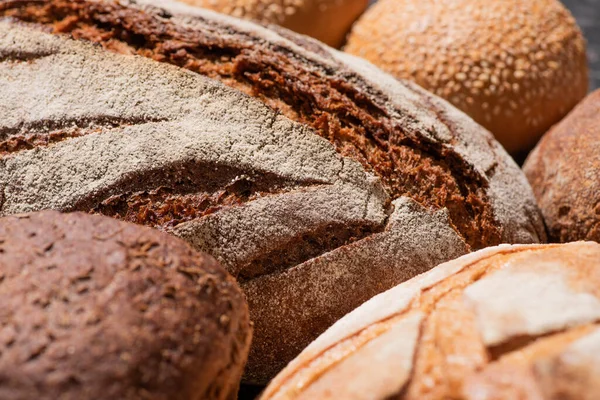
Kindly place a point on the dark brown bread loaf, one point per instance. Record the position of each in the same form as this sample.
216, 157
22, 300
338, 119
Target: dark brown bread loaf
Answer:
94, 308
504, 323
564, 171
375, 181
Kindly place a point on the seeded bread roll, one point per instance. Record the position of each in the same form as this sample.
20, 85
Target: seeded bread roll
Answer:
94, 308
326, 20
515, 66
373, 183
565, 174
509, 322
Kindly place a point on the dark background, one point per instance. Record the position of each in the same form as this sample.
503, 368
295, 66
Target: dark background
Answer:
587, 13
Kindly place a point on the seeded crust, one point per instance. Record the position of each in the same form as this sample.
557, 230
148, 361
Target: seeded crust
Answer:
266, 196
508, 322
517, 67
564, 173
98, 308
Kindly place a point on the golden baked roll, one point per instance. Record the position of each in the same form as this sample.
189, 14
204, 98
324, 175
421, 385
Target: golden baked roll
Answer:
515, 66
564, 172
508, 322
326, 20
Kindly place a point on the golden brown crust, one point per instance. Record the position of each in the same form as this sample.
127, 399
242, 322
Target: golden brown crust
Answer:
515, 67
502, 323
564, 172
326, 20
97, 308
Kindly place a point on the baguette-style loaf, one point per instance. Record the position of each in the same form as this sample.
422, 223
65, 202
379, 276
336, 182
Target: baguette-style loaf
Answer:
508, 322
374, 182
95, 308
564, 172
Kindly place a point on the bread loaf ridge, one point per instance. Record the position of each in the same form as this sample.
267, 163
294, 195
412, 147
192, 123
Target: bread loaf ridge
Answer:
98, 308
506, 322
300, 220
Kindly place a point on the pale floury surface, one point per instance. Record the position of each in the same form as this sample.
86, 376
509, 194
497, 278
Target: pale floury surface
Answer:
506, 322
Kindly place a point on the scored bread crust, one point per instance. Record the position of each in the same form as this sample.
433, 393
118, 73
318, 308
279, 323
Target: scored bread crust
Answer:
98, 308
395, 129
307, 226
506, 322
564, 172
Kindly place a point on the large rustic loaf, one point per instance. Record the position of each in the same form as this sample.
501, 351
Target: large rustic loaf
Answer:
564, 172
403, 181
510, 322
94, 308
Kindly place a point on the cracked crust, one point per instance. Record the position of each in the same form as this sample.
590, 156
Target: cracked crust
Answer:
564, 173
397, 131
520, 321
98, 308
285, 210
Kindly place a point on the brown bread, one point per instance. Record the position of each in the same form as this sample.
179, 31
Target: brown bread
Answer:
326, 20
565, 174
374, 182
94, 308
509, 322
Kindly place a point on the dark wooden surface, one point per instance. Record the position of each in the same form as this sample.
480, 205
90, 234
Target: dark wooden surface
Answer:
587, 13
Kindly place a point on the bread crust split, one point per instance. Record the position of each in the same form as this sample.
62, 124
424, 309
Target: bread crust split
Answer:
94, 308
506, 322
300, 202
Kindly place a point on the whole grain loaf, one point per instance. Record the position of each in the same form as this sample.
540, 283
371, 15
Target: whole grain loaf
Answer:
94, 308
564, 172
509, 322
335, 179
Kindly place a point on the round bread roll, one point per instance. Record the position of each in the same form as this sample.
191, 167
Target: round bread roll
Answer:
564, 171
335, 178
509, 322
94, 308
326, 20
515, 66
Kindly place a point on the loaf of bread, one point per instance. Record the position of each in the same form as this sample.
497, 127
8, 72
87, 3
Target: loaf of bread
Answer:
94, 308
326, 20
509, 322
515, 66
335, 179
564, 171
